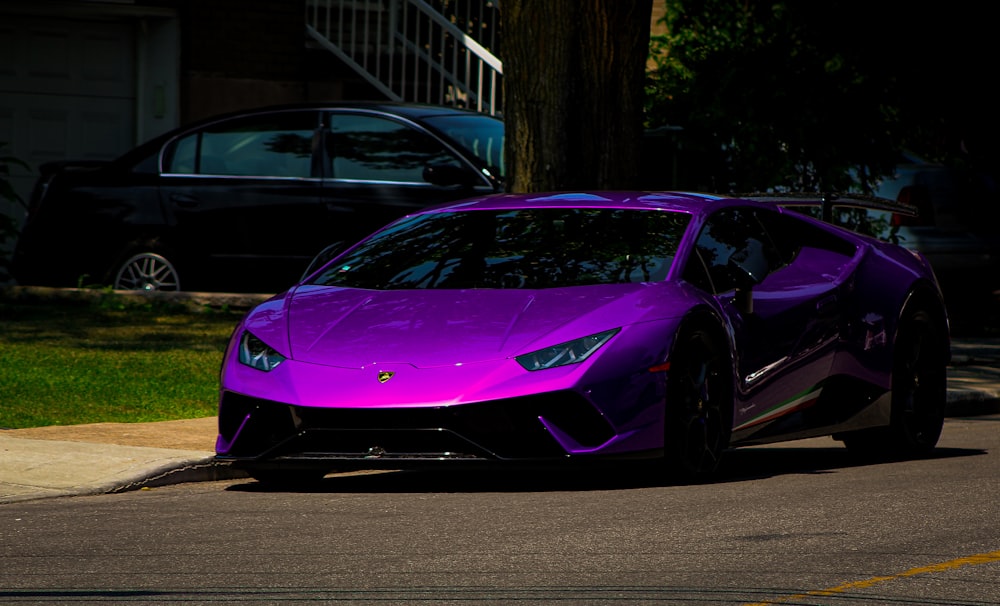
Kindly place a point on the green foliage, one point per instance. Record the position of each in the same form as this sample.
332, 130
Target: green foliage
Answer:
775, 95
8, 226
107, 361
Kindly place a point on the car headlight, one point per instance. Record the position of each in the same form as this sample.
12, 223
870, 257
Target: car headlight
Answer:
256, 354
571, 352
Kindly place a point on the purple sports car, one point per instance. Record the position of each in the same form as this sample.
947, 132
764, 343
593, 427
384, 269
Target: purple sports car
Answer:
583, 327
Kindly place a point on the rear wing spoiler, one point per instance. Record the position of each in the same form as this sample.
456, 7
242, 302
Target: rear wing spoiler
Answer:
827, 202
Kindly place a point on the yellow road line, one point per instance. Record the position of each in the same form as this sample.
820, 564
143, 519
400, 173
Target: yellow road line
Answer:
974, 560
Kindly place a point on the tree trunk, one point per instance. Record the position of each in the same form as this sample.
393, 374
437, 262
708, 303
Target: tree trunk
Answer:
574, 75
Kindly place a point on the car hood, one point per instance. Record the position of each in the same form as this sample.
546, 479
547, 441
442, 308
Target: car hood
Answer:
353, 328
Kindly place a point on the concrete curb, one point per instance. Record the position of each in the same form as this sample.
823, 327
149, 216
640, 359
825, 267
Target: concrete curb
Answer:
156, 475
40, 468
205, 470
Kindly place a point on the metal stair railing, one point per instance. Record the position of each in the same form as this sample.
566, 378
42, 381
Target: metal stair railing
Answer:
412, 51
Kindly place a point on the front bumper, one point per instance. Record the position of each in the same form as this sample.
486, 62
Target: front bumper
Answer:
535, 428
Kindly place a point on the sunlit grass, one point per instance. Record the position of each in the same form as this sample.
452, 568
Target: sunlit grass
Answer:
70, 364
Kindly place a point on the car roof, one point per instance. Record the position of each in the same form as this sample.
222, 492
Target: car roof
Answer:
411, 111
408, 110
696, 203
688, 202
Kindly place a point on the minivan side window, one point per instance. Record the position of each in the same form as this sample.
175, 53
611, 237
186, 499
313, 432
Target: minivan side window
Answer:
373, 148
268, 145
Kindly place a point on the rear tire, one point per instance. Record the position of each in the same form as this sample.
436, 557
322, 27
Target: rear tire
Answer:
919, 393
698, 415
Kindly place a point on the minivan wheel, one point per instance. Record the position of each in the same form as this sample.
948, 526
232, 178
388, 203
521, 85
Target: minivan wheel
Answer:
147, 271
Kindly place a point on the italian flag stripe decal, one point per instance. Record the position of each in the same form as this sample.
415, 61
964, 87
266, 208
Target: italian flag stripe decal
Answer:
800, 401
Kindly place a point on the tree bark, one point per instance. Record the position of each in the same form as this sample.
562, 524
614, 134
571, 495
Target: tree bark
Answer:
574, 76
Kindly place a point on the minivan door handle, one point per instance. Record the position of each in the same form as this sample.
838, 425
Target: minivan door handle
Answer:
185, 200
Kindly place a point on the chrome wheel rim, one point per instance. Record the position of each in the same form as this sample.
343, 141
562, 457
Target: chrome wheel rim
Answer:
147, 271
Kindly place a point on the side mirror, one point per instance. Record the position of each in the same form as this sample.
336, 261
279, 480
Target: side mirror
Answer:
748, 267
447, 175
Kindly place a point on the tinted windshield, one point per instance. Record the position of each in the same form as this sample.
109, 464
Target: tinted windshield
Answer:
480, 134
526, 248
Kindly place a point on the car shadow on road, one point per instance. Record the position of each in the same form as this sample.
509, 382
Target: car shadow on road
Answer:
738, 466
757, 463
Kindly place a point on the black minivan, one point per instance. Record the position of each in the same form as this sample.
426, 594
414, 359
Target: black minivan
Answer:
243, 202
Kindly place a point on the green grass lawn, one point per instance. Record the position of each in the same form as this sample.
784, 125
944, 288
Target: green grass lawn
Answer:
64, 364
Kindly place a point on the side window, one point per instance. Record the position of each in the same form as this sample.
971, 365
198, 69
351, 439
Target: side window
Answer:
783, 237
182, 155
372, 148
148, 164
696, 272
730, 231
793, 235
271, 145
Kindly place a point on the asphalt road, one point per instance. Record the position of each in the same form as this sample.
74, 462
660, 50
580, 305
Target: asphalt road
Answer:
800, 523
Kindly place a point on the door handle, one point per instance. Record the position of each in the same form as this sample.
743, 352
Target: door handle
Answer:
185, 200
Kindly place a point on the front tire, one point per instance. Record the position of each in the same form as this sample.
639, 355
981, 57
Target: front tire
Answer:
698, 418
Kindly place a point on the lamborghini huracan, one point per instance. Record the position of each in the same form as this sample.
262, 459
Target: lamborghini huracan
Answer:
572, 328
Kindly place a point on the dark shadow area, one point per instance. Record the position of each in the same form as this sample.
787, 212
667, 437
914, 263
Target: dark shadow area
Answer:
973, 306
737, 466
758, 463
484, 480
92, 327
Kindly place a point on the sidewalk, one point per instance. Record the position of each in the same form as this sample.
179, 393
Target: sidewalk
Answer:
974, 377
102, 458
114, 457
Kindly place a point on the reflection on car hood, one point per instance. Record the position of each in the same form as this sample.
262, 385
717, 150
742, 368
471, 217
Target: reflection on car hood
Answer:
427, 328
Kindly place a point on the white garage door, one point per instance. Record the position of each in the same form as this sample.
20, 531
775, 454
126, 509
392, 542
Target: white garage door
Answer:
67, 91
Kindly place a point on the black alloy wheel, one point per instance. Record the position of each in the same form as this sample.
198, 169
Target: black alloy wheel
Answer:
698, 420
919, 393
919, 386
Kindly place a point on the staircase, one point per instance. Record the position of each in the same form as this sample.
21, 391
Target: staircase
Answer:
422, 51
